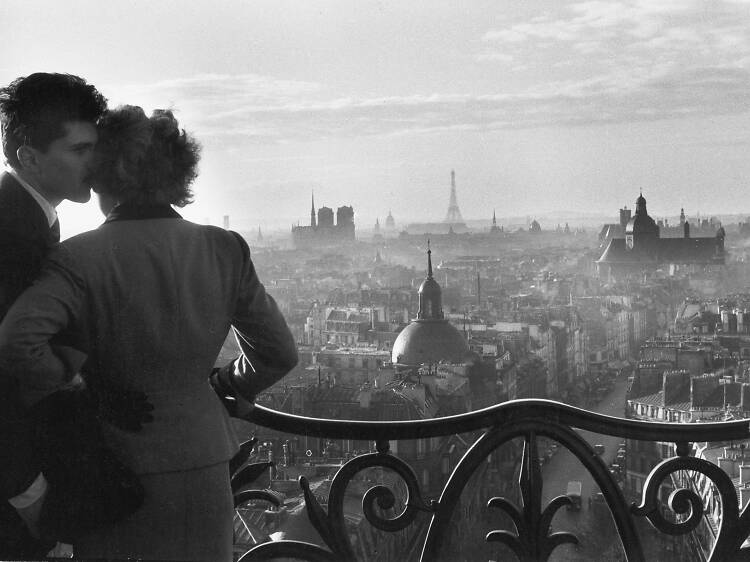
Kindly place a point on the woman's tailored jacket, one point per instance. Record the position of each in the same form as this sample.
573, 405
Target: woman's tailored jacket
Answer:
150, 298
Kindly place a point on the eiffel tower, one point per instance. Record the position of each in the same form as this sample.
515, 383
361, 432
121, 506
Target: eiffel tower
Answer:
454, 214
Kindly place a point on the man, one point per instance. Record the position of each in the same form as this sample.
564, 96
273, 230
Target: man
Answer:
49, 133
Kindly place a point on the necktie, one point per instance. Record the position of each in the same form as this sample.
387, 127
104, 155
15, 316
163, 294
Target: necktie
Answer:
54, 232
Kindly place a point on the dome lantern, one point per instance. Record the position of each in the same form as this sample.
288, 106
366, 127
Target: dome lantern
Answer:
430, 338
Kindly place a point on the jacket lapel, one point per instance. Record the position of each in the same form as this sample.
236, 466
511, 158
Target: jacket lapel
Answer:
19, 213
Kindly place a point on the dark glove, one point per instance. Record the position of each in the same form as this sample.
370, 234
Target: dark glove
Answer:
220, 379
229, 387
125, 409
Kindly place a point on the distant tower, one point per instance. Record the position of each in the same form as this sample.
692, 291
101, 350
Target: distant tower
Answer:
454, 214
226, 222
494, 227
376, 229
325, 217
390, 223
312, 211
682, 216
260, 235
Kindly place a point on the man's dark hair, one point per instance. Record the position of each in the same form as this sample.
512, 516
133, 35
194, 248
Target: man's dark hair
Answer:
34, 108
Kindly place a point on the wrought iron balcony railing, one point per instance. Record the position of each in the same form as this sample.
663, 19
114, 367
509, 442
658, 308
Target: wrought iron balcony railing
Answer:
530, 535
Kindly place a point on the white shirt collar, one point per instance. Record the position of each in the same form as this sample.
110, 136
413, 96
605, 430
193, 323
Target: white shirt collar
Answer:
49, 210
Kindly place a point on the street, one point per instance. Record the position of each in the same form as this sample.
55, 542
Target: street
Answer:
593, 524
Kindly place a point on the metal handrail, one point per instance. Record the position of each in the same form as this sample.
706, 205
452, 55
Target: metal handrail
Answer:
528, 419
496, 416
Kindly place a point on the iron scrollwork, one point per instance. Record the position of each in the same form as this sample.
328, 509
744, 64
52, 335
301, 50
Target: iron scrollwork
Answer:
532, 538
331, 523
734, 527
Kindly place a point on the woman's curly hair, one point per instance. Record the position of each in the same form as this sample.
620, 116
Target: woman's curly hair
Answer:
145, 160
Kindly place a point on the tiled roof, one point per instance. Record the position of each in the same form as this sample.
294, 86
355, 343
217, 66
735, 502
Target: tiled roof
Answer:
343, 402
690, 250
616, 252
656, 399
675, 250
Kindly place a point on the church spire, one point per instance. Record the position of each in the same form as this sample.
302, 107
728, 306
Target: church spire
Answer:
429, 260
312, 211
430, 298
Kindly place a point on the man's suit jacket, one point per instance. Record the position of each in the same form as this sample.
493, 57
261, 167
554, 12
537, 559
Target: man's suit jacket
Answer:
154, 297
25, 239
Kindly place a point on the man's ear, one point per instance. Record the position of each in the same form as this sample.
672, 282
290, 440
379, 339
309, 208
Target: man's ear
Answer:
27, 157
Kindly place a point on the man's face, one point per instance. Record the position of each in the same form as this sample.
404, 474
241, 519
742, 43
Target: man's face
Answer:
64, 169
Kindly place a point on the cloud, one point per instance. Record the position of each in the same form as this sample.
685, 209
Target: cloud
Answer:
494, 56
607, 65
633, 95
654, 24
505, 35
213, 92
281, 111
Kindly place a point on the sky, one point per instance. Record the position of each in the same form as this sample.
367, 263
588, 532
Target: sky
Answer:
540, 107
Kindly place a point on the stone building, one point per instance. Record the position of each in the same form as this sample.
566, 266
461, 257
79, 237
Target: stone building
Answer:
322, 230
642, 250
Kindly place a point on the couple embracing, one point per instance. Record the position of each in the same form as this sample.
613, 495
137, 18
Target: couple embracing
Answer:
123, 323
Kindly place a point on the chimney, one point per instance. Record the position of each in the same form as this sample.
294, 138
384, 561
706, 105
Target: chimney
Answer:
744, 474
624, 217
673, 384
729, 466
479, 290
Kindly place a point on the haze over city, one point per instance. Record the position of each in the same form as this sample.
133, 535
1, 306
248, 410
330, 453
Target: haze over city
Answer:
539, 106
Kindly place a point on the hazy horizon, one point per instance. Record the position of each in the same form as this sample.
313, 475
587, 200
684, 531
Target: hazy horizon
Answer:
538, 106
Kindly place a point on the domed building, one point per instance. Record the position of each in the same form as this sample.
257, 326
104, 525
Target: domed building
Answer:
429, 338
643, 251
641, 230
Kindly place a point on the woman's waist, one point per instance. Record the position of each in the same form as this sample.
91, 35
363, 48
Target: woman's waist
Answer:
188, 429
157, 386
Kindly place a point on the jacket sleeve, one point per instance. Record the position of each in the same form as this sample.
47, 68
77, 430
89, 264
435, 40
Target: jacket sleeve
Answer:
20, 260
27, 350
268, 348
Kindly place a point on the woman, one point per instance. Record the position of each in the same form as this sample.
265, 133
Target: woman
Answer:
150, 298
